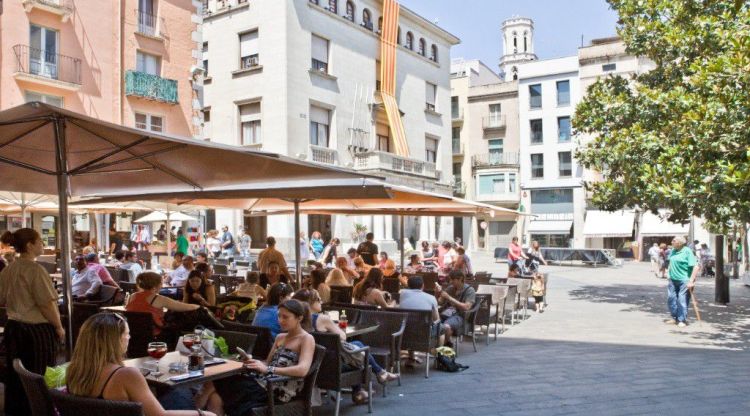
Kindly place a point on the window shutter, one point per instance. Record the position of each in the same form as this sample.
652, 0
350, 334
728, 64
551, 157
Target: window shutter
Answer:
249, 43
319, 49
250, 112
430, 93
319, 115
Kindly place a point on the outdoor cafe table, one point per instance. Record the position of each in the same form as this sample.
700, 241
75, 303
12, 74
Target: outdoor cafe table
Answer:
213, 372
359, 329
118, 309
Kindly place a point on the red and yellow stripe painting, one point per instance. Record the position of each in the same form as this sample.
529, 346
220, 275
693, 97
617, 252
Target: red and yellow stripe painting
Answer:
388, 50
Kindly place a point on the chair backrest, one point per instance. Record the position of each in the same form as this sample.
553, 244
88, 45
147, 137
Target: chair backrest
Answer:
70, 405
49, 267
112, 271
510, 298
141, 333
234, 339
144, 255
331, 365
341, 294
128, 287
470, 316
36, 390
221, 268
391, 285
221, 261
418, 331
484, 309
263, 339
243, 263
429, 279
498, 292
389, 323
122, 276
81, 312
524, 285
107, 295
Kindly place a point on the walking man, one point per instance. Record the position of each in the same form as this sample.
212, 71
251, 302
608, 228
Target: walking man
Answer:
683, 270
653, 253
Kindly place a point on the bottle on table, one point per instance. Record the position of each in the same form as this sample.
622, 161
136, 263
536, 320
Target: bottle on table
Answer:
343, 320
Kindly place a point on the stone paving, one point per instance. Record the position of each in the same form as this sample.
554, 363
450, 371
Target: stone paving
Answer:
601, 348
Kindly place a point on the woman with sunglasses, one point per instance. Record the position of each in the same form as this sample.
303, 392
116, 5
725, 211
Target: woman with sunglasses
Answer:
97, 369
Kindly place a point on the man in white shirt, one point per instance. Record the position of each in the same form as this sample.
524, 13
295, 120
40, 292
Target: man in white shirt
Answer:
179, 276
85, 282
132, 266
415, 298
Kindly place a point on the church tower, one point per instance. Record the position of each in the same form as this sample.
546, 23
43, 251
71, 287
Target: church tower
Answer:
518, 45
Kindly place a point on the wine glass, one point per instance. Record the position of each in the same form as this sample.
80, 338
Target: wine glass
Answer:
157, 350
189, 340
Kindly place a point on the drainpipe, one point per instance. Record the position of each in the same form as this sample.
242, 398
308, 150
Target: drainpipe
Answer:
121, 72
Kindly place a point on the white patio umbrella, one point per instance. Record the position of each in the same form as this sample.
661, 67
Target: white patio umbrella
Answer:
165, 216
49, 150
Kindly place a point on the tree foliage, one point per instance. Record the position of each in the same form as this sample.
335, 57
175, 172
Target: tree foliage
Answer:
678, 136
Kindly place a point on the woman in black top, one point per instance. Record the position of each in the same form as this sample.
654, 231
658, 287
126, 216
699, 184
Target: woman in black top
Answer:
198, 290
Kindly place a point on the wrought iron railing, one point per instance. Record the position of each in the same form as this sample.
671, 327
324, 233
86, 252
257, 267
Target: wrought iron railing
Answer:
152, 87
495, 159
322, 155
149, 24
46, 64
459, 188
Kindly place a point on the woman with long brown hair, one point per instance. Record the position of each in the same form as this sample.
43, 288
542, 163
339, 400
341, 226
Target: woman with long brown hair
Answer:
370, 290
34, 328
97, 369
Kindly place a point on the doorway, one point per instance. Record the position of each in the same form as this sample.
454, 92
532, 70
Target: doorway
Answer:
321, 223
257, 227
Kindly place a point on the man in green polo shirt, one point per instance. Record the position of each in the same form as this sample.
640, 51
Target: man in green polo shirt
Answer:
683, 270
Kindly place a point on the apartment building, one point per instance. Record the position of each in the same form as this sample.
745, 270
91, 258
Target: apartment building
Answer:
128, 62
485, 144
301, 78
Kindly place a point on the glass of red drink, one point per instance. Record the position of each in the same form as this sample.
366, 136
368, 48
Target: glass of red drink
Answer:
156, 350
190, 339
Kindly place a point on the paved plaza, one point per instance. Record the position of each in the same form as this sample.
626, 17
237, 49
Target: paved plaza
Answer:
601, 348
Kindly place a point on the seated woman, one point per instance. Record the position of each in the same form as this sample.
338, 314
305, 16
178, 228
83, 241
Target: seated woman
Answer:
414, 265
383, 259
336, 278
322, 323
199, 290
148, 299
318, 283
97, 370
390, 272
350, 274
250, 288
370, 290
267, 315
291, 355
361, 267
273, 276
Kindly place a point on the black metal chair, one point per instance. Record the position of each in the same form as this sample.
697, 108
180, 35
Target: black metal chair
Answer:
128, 287
141, 333
36, 390
418, 334
234, 339
341, 294
106, 296
483, 316
385, 343
263, 341
391, 285
302, 403
470, 317
81, 312
70, 405
49, 267
335, 376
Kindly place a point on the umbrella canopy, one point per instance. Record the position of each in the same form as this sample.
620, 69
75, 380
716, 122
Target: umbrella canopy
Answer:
49, 150
164, 216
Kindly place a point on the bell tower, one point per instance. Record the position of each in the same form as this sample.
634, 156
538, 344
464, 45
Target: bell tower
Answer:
518, 45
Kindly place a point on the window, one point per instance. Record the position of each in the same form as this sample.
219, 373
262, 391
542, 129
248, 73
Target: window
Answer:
515, 42
495, 148
552, 201
563, 93
150, 64
537, 135
512, 183
422, 46
565, 165
456, 140
206, 124
398, 36
249, 50
333, 6
431, 148
350, 11
380, 24
43, 52
454, 108
319, 54
149, 122
609, 67
495, 116
434, 53
409, 41
525, 42
535, 96
250, 125
492, 184
537, 165
456, 132
146, 18
205, 58
430, 96
320, 120
563, 129
382, 132
367, 19
44, 98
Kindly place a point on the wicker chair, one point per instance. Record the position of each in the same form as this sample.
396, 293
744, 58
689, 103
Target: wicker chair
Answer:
36, 390
483, 317
302, 403
385, 343
70, 405
499, 295
524, 287
106, 296
263, 340
341, 294
49, 267
510, 304
141, 333
470, 317
418, 334
81, 312
244, 340
334, 376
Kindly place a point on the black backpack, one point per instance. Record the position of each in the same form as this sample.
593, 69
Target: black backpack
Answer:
449, 364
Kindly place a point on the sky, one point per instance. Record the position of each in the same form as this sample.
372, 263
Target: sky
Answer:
558, 24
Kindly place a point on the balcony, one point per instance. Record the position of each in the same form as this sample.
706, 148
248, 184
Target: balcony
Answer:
150, 87
379, 160
218, 7
321, 154
495, 160
493, 122
459, 187
458, 147
42, 67
457, 115
62, 8
150, 25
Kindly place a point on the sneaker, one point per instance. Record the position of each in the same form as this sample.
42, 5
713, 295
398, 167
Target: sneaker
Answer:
682, 324
670, 321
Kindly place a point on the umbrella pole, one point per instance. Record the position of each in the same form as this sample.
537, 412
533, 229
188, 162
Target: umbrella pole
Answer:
169, 234
401, 240
62, 194
297, 255
23, 210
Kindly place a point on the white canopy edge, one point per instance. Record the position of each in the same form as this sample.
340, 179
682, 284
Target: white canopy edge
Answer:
609, 224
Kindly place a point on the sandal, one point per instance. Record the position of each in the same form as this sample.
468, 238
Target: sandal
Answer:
385, 377
360, 397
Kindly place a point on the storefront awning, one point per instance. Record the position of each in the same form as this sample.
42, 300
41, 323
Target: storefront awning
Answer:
600, 224
654, 225
550, 227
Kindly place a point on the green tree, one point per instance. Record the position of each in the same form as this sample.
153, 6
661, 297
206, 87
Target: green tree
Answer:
676, 137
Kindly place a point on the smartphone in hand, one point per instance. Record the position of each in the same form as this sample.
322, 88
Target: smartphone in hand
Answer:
244, 355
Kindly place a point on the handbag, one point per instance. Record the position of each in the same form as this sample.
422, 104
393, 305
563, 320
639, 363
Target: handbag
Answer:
356, 360
445, 360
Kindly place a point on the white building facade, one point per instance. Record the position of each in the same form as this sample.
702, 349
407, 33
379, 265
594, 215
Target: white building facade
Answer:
301, 78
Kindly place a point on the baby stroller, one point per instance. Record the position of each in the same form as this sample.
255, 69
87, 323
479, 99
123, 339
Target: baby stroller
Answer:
708, 263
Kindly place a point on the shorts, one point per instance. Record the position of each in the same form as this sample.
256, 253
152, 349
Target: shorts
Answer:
538, 299
437, 329
456, 322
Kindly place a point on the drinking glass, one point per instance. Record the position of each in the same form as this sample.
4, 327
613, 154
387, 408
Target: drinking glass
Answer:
156, 350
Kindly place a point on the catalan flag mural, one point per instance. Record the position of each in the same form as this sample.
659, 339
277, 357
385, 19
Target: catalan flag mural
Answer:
388, 49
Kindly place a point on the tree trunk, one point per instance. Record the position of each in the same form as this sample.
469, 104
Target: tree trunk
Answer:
721, 295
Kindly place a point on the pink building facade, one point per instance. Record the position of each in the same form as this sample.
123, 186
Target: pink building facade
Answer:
131, 62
